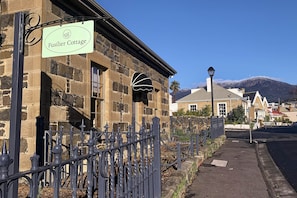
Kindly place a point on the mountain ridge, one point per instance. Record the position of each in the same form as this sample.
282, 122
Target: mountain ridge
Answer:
274, 90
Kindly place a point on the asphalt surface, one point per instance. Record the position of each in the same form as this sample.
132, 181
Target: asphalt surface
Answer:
284, 154
250, 170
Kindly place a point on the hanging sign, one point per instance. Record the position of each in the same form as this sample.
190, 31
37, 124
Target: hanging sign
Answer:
68, 39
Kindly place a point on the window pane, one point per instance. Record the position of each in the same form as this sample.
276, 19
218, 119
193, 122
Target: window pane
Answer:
95, 82
193, 108
222, 109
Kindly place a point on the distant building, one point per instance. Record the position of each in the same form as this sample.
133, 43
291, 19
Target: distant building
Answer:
275, 115
289, 109
259, 106
172, 106
224, 100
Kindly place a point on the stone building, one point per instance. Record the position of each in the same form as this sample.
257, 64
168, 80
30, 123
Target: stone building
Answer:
94, 87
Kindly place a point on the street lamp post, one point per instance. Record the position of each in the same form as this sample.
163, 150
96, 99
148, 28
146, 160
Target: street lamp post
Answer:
250, 127
211, 72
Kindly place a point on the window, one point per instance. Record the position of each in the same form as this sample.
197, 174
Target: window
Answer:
67, 86
115, 86
165, 113
96, 85
147, 111
120, 87
119, 107
150, 96
192, 107
122, 126
165, 101
222, 109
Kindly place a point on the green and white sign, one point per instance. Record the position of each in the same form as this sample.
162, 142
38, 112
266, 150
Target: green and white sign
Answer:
68, 39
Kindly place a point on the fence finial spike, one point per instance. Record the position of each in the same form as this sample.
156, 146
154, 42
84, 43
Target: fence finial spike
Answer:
82, 126
106, 127
4, 148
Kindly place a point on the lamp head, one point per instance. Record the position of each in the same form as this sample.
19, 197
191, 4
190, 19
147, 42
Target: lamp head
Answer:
211, 71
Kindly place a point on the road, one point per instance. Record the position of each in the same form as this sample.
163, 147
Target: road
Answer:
281, 143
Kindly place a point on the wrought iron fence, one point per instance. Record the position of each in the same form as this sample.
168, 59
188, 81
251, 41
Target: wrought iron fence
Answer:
190, 146
92, 164
102, 164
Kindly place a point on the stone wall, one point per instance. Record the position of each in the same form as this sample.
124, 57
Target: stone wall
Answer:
189, 123
176, 185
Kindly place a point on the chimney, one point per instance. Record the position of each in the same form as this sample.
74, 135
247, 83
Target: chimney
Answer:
208, 85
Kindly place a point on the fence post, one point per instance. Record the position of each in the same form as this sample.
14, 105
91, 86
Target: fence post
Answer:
39, 139
112, 163
223, 125
73, 169
141, 168
121, 177
211, 127
217, 128
157, 158
191, 145
57, 151
197, 144
178, 156
34, 166
129, 163
102, 175
5, 161
90, 165
204, 134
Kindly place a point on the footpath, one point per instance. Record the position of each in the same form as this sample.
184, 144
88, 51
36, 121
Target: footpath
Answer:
240, 177
232, 169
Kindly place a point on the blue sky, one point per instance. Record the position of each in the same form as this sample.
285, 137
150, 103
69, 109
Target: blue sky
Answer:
239, 38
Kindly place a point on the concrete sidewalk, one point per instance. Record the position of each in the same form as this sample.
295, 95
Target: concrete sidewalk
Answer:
240, 178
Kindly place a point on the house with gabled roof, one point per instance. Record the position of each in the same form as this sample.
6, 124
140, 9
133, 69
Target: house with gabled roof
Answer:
224, 100
258, 106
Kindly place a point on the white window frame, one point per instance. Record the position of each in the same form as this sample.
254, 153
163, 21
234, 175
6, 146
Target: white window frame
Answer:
190, 105
96, 83
219, 110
